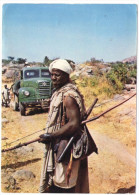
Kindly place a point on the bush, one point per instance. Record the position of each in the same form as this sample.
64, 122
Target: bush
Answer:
133, 73
118, 75
115, 81
106, 85
97, 86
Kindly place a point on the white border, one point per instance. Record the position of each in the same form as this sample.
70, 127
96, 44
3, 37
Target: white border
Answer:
73, 2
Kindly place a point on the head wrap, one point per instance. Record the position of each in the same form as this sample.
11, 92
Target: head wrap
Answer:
61, 65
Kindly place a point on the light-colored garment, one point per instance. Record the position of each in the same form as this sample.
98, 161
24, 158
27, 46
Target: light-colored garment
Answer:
59, 177
61, 65
53, 172
6, 93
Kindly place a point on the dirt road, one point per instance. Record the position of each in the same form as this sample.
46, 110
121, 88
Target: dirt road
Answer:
111, 170
114, 147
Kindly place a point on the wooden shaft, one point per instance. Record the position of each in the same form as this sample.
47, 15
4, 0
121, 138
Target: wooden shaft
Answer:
20, 145
91, 108
96, 117
83, 122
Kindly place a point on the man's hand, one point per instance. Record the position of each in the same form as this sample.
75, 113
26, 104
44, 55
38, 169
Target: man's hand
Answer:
46, 138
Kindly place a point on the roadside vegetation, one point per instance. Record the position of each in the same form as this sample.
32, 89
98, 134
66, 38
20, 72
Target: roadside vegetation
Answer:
106, 85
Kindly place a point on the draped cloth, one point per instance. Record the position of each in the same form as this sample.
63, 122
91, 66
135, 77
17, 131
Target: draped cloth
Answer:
53, 172
6, 93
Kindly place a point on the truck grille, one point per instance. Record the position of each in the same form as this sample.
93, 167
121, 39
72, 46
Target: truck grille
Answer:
44, 88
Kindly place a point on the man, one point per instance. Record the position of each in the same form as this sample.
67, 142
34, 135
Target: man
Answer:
6, 94
65, 115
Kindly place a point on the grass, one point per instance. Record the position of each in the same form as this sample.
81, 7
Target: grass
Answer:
115, 125
95, 87
112, 124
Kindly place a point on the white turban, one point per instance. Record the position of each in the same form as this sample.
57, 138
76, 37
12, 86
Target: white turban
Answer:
61, 65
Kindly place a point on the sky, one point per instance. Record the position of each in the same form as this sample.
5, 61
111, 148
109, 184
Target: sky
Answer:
70, 31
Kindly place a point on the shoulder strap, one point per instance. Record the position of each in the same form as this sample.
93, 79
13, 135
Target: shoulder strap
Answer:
63, 112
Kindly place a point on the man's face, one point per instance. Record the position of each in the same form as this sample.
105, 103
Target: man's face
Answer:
59, 78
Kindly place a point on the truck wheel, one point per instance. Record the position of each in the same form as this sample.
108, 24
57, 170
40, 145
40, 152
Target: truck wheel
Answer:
22, 109
15, 103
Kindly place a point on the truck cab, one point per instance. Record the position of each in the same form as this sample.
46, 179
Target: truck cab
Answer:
33, 89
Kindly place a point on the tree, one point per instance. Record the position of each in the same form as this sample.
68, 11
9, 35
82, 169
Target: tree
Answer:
93, 60
46, 60
21, 60
10, 58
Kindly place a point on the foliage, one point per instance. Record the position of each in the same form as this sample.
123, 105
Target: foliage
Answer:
133, 73
113, 79
121, 71
118, 75
93, 60
47, 61
96, 86
21, 60
106, 85
132, 70
5, 61
10, 58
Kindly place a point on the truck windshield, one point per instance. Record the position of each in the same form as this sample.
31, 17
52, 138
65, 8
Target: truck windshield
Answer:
45, 73
31, 74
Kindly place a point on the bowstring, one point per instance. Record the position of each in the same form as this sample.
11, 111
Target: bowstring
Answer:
45, 128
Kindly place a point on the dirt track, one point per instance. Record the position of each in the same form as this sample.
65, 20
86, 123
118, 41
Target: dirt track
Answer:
111, 170
114, 147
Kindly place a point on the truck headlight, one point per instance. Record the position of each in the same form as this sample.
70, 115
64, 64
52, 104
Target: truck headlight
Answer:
26, 93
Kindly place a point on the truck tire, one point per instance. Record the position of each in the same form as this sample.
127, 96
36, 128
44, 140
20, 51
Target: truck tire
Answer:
22, 109
15, 103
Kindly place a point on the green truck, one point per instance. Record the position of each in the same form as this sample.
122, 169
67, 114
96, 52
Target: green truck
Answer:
33, 89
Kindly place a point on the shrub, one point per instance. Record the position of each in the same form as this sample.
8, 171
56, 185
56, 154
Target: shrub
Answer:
133, 73
96, 86
115, 81
118, 75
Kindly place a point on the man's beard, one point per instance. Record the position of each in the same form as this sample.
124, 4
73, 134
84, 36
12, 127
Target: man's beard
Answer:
57, 85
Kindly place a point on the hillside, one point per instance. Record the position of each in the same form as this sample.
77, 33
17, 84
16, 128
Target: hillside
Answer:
132, 59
